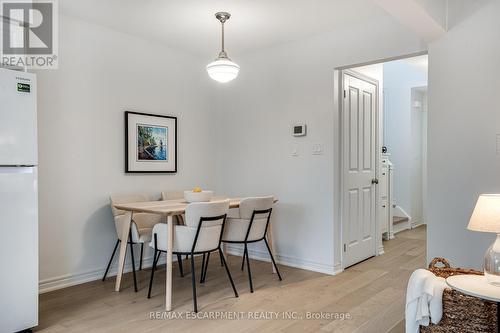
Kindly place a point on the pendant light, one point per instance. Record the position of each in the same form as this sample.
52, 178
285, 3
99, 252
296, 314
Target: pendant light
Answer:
223, 69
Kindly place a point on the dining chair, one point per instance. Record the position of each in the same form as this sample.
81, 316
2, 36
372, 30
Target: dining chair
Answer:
250, 225
140, 228
201, 235
177, 219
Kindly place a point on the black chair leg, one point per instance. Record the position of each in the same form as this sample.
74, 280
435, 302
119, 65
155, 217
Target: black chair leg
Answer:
179, 261
133, 263
111, 260
153, 269
202, 267
193, 282
142, 250
248, 269
156, 260
220, 257
229, 275
204, 273
243, 261
272, 258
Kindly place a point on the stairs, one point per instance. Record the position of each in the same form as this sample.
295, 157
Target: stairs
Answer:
400, 223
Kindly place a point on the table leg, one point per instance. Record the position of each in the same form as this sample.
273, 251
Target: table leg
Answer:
270, 242
170, 246
123, 248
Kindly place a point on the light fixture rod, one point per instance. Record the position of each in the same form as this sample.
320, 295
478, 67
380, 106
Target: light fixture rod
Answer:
222, 17
223, 37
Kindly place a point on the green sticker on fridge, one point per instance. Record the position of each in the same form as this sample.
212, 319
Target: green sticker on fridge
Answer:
23, 87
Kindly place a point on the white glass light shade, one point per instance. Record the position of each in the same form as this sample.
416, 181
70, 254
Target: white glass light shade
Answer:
223, 70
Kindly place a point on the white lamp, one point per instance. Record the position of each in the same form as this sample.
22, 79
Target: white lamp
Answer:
223, 69
486, 218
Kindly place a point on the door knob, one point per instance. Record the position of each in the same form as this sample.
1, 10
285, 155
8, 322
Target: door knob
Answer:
374, 181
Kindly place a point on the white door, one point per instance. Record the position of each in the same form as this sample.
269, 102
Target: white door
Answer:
359, 168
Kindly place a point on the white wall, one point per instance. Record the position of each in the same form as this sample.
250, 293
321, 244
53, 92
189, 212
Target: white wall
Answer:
418, 153
81, 108
280, 86
399, 79
464, 118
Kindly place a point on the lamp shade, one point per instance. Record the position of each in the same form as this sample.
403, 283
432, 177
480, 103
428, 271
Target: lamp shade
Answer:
486, 215
223, 70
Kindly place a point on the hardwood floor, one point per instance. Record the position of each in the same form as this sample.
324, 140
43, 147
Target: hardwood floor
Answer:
372, 293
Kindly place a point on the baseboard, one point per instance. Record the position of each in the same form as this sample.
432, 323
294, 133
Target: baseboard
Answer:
68, 280
415, 224
286, 260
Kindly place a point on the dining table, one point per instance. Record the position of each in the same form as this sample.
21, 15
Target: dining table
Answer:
167, 208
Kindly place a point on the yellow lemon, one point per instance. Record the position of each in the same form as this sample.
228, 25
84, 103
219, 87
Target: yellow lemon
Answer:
197, 189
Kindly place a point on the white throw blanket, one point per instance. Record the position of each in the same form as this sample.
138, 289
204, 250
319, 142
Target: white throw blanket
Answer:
424, 300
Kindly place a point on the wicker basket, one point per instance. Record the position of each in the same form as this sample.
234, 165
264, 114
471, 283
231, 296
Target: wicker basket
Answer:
461, 313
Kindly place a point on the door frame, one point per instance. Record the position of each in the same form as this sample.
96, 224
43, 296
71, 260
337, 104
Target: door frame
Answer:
377, 236
338, 88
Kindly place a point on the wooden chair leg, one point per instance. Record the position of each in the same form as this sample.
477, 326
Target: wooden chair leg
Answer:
111, 260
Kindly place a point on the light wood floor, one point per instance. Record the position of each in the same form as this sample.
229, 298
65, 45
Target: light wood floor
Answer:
372, 293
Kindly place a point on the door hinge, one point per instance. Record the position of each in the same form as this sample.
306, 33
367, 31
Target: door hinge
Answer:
345, 247
345, 94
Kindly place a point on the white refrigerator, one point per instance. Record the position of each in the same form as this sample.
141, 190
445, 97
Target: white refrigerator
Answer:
18, 202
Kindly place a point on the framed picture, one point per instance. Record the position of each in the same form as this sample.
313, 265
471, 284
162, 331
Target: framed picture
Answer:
150, 143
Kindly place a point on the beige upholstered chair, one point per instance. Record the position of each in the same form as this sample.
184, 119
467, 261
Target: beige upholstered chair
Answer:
249, 226
140, 228
201, 234
174, 195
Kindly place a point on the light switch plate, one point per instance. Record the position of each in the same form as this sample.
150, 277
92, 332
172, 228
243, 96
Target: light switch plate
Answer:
317, 149
295, 151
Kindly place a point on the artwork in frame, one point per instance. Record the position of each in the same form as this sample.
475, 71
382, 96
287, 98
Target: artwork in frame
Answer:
150, 143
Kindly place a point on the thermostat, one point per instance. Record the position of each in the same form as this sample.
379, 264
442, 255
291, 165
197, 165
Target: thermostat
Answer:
299, 130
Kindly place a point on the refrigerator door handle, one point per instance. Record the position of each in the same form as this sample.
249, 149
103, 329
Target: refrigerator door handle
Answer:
16, 169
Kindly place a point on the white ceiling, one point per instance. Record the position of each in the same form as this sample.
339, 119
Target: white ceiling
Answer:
190, 25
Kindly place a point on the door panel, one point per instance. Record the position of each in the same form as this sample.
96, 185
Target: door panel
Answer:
359, 151
353, 110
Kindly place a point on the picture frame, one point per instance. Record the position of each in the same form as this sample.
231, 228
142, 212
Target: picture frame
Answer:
150, 143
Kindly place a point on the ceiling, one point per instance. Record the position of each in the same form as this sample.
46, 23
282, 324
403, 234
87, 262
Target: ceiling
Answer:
190, 25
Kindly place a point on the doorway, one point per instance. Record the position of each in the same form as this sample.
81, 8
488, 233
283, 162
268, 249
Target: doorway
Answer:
384, 153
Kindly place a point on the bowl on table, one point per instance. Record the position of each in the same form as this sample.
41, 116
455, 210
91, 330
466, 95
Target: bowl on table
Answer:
203, 196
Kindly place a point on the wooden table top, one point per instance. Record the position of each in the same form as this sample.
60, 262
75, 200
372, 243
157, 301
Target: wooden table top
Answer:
170, 207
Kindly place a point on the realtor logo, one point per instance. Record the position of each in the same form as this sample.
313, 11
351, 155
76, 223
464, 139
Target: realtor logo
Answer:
29, 33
